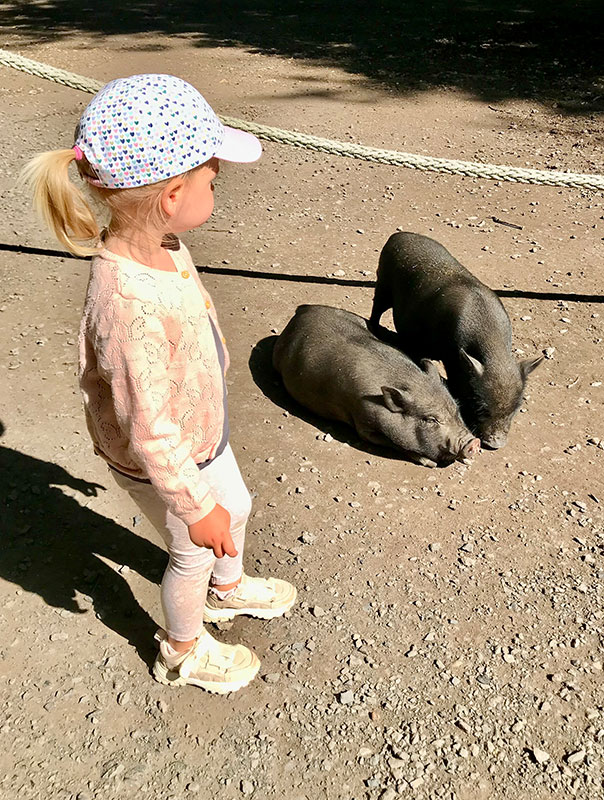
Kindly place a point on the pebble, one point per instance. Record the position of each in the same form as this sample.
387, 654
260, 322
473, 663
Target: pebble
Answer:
247, 787
272, 677
346, 698
317, 611
58, 637
540, 756
388, 794
576, 757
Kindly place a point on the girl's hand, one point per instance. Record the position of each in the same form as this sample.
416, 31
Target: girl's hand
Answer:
213, 531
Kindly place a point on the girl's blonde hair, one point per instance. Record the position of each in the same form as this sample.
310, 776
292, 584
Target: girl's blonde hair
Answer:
66, 211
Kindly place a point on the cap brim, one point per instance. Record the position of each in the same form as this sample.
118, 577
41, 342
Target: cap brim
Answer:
239, 146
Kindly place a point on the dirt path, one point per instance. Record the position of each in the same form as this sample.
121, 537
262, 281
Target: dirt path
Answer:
448, 641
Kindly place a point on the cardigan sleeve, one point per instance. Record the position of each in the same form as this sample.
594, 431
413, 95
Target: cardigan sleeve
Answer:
133, 351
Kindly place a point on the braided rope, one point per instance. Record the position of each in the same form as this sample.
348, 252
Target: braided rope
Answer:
470, 169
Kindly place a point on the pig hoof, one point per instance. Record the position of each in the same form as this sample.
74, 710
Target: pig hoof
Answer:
424, 462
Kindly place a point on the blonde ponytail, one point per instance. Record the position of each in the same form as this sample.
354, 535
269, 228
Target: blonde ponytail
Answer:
60, 203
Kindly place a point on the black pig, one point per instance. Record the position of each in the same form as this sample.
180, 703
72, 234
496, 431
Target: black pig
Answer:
333, 365
442, 311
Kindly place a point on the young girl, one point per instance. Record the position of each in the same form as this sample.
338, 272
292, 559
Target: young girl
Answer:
152, 358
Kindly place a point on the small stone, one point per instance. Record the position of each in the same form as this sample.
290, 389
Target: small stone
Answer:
247, 787
272, 677
317, 611
540, 756
576, 757
416, 783
434, 547
388, 794
549, 352
123, 698
58, 637
346, 698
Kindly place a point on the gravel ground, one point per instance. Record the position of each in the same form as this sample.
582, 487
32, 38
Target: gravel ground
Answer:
448, 642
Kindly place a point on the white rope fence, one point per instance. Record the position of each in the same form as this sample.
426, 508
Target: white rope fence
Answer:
470, 169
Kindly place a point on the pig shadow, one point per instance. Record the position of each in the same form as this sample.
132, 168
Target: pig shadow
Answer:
268, 380
53, 546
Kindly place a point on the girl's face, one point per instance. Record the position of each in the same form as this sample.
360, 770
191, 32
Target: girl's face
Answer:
190, 203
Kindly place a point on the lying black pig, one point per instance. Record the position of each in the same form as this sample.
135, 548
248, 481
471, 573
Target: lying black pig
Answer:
442, 311
333, 365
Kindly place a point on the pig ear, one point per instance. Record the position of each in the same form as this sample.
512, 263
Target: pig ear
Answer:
476, 365
529, 364
396, 400
430, 368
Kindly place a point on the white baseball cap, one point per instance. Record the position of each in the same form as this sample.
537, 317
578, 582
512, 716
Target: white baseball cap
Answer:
146, 128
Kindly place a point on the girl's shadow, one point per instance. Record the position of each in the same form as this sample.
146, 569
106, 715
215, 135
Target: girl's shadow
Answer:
270, 384
50, 545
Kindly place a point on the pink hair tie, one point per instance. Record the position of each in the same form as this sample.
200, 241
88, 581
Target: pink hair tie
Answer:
79, 155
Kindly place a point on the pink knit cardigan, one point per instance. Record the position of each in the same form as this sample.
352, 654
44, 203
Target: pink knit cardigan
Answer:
150, 376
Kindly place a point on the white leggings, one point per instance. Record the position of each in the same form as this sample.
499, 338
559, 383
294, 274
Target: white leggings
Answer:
185, 583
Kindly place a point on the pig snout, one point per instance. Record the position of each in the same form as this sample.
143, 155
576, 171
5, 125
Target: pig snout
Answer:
469, 450
494, 441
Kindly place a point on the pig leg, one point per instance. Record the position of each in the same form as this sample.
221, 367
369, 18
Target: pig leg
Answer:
381, 303
375, 437
421, 460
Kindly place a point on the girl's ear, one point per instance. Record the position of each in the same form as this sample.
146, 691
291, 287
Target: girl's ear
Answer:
170, 197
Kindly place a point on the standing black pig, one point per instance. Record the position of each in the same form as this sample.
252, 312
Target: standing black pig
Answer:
333, 365
442, 311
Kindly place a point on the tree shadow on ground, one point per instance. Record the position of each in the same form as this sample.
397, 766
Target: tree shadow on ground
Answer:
268, 380
51, 545
493, 50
